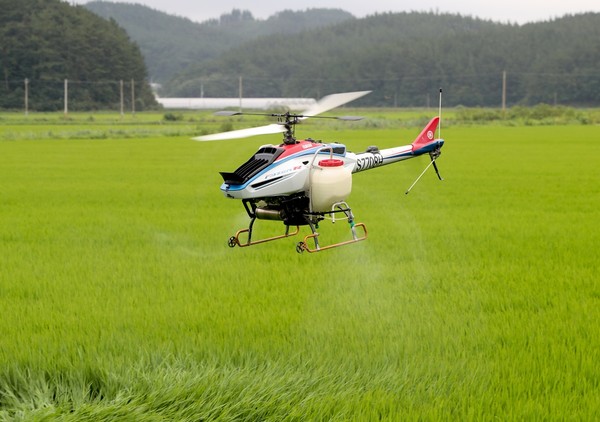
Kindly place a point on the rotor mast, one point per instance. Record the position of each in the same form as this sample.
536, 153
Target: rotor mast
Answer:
289, 122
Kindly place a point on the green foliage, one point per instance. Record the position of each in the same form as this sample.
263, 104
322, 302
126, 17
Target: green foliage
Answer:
473, 299
48, 41
226, 126
173, 117
541, 114
405, 57
170, 43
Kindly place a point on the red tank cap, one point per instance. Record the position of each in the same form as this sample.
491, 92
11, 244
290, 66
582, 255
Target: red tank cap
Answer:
331, 162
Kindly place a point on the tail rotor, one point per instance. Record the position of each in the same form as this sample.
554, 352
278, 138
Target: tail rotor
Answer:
433, 154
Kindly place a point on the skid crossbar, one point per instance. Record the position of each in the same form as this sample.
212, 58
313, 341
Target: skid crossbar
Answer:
304, 245
235, 240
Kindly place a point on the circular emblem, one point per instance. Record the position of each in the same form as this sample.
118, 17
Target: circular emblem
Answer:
429, 134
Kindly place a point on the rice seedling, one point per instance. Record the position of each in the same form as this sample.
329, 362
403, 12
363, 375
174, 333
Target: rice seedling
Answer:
473, 298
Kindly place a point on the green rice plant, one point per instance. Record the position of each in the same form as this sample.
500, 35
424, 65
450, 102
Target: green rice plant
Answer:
475, 298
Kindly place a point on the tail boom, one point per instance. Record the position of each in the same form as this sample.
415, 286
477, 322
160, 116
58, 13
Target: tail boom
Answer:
424, 143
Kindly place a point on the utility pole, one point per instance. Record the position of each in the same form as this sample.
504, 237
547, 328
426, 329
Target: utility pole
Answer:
122, 102
66, 97
240, 91
132, 97
504, 90
26, 97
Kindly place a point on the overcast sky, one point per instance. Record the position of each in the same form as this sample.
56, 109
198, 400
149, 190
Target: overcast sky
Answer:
515, 11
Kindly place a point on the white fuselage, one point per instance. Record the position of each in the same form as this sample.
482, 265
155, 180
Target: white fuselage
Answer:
284, 170
290, 173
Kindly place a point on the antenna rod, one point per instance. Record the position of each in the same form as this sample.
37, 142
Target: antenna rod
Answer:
419, 178
440, 114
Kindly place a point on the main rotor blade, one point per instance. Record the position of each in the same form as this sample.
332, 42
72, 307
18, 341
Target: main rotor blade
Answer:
324, 104
243, 133
332, 101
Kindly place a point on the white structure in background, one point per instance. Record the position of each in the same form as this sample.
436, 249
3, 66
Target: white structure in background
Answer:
249, 103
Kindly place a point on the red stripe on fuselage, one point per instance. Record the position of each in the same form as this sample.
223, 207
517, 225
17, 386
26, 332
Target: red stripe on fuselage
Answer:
296, 148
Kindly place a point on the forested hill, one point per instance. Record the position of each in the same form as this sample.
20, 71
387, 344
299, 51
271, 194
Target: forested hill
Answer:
170, 43
45, 42
405, 57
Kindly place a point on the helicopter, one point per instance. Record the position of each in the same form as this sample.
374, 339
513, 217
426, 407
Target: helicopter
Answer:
303, 182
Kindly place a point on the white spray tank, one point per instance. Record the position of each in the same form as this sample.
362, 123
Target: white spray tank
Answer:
331, 182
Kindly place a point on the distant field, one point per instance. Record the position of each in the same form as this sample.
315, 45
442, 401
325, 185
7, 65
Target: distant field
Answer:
475, 298
173, 123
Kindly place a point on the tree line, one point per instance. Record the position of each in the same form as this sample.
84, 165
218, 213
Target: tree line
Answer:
44, 42
171, 43
405, 57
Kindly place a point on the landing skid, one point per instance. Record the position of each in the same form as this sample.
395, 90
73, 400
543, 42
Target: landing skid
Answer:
340, 207
243, 237
304, 245
235, 240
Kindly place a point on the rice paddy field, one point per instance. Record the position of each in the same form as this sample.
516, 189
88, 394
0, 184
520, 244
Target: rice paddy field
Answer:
475, 298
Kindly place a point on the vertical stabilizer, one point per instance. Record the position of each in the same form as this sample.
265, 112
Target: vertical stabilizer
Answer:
427, 135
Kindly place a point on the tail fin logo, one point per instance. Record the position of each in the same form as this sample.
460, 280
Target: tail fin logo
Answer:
430, 135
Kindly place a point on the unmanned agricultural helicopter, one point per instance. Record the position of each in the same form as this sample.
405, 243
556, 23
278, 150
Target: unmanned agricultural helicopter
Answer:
302, 182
